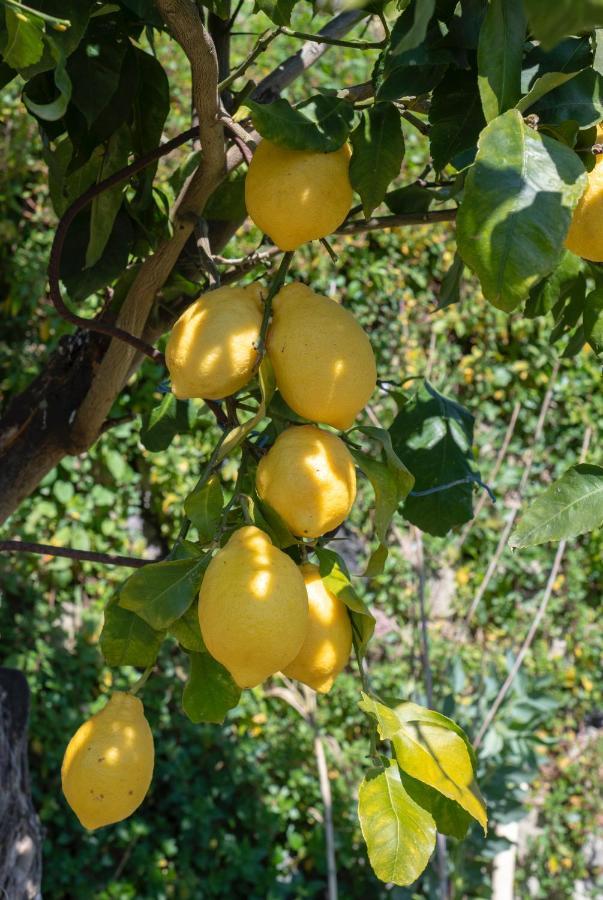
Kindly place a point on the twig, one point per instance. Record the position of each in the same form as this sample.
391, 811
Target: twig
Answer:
533, 627
375, 222
336, 42
83, 555
138, 685
423, 127
262, 43
58, 24
492, 475
528, 462
275, 286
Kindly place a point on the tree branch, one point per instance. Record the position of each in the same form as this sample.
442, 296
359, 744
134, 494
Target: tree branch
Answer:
85, 555
379, 222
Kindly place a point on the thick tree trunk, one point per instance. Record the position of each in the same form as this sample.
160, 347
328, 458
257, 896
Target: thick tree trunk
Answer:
20, 832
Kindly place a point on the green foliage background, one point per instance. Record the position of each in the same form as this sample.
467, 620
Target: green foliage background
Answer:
236, 811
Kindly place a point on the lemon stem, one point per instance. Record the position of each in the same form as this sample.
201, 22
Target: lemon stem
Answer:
275, 286
142, 680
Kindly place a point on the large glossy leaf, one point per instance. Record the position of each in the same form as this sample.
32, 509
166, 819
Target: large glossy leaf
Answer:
550, 21
411, 27
161, 592
456, 120
105, 207
433, 749
400, 835
450, 818
323, 126
570, 506
542, 86
578, 99
210, 690
127, 640
378, 145
24, 38
499, 56
163, 423
204, 508
335, 576
518, 203
433, 436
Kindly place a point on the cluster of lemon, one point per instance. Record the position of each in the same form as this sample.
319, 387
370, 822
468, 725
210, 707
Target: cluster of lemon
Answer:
259, 612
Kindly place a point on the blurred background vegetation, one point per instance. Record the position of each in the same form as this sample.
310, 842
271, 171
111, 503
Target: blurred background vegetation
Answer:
236, 811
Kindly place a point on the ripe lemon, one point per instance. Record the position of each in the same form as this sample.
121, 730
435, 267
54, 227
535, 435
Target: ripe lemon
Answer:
323, 361
211, 352
253, 607
308, 477
585, 235
108, 763
328, 642
296, 196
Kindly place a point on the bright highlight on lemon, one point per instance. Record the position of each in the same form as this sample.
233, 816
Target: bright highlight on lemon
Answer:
308, 478
296, 196
212, 349
323, 361
253, 607
328, 642
108, 763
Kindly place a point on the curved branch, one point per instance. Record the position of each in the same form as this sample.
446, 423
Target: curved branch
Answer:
85, 555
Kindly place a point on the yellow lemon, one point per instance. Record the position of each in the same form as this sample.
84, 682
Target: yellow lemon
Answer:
296, 196
328, 642
108, 763
253, 607
308, 477
211, 352
323, 361
585, 236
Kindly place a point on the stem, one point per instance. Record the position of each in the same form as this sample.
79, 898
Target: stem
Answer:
375, 222
275, 286
263, 42
142, 680
336, 42
52, 20
68, 553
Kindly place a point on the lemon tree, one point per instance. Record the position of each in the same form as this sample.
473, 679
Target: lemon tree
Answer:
508, 99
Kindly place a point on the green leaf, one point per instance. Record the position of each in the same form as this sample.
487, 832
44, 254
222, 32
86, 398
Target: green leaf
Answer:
210, 690
450, 818
334, 574
400, 835
378, 145
126, 640
280, 123
376, 563
499, 56
105, 206
558, 285
411, 27
450, 288
391, 484
227, 203
54, 109
552, 21
411, 198
543, 85
518, 203
187, 632
204, 508
433, 436
163, 423
24, 39
570, 506
456, 120
433, 749
278, 11
593, 320
579, 99
161, 592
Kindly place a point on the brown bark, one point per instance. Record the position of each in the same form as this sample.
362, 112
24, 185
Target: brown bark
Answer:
20, 832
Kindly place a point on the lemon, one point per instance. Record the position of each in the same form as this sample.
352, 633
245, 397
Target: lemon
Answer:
211, 352
296, 196
323, 361
585, 235
108, 763
328, 642
253, 607
308, 477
